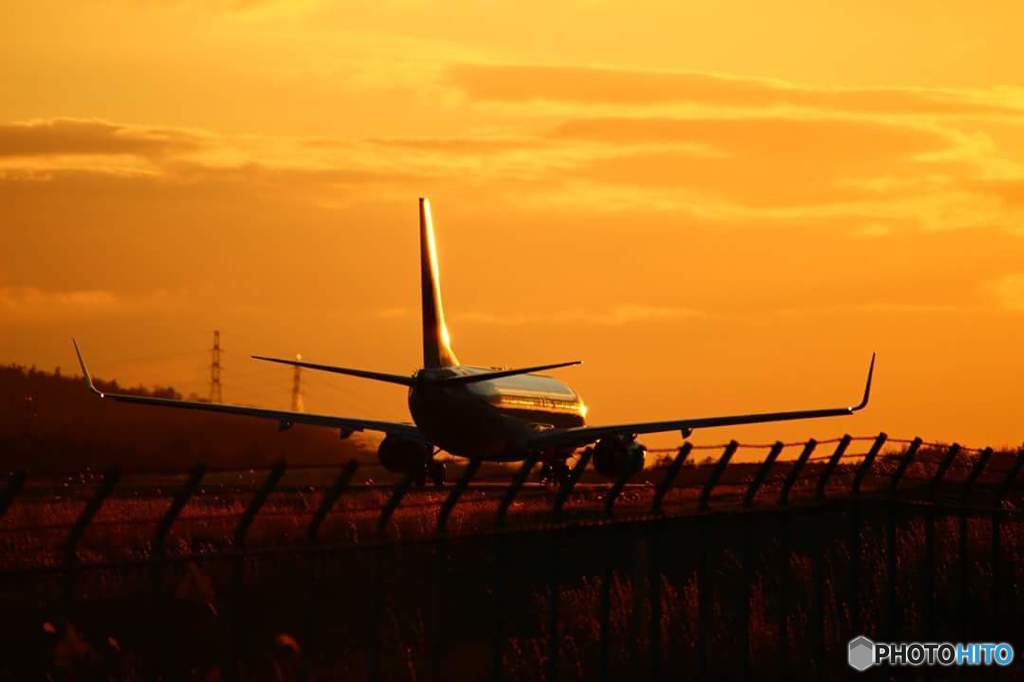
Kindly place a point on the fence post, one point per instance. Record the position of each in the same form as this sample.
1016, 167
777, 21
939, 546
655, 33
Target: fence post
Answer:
616, 489
830, 466
905, 460
1004, 488
747, 560
456, 492
554, 576
762, 474
794, 472
818, 559
856, 528
310, 626
747, 552
703, 638
869, 459
554, 605
979, 465
604, 617
15, 484
654, 586
972, 477
893, 622
498, 632
716, 474
232, 663
249, 515
377, 595
997, 512
554, 586
110, 478
703, 572
330, 498
818, 621
181, 498
498, 635
513, 489
785, 544
574, 476
940, 472
929, 536
437, 629
670, 476
394, 500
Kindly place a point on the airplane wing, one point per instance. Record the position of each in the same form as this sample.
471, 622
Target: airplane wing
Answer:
284, 417
584, 435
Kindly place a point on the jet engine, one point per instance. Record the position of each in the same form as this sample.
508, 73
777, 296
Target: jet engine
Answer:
404, 455
614, 455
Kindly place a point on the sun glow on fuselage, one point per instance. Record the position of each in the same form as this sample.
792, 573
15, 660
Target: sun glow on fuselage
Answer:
444, 336
530, 395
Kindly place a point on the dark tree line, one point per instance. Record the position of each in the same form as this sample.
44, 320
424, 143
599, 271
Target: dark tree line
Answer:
51, 422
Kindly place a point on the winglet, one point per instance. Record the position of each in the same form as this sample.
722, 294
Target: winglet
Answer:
867, 388
85, 371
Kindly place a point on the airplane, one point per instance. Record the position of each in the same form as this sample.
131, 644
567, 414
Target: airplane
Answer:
488, 413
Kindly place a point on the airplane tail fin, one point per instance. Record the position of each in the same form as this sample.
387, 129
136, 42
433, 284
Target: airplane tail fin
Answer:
437, 350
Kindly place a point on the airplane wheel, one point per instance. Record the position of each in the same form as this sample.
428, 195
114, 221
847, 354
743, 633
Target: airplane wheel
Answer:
562, 474
554, 475
437, 472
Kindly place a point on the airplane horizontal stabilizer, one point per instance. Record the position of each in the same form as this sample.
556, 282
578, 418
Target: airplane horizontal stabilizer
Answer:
497, 374
362, 373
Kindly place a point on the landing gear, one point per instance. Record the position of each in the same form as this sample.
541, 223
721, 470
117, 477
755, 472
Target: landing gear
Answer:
433, 471
436, 471
554, 474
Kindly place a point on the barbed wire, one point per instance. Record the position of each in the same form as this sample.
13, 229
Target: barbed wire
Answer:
801, 443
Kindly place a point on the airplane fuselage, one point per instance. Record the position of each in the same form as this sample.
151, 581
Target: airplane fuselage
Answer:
494, 418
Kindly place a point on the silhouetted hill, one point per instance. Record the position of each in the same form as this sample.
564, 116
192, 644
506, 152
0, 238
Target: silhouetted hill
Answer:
51, 422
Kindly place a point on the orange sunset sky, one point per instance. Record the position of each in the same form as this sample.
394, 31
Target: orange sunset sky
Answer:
719, 206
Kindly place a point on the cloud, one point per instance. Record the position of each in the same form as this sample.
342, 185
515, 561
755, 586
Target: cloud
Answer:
1009, 291
99, 152
750, 168
463, 145
106, 156
250, 173
62, 136
26, 305
590, 86
764, 161
896, 309
1010, 192
807, 139
616, 316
